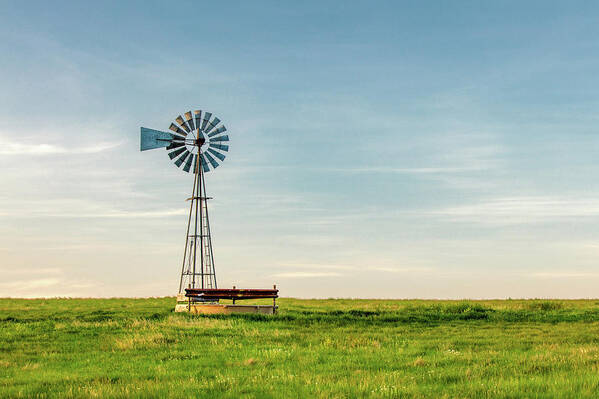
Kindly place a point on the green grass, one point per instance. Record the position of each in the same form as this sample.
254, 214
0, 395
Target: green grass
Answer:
312, 348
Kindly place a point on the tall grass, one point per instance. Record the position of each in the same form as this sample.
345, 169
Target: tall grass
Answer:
312, 348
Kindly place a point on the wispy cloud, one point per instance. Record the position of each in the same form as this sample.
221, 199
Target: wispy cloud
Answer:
39, 271
123, 214
516, 210
70, 208
410, 171
11, 148
343, 269
305, 274
30, 284
103, 213
411, 270
308, 265
566, 274
48, 282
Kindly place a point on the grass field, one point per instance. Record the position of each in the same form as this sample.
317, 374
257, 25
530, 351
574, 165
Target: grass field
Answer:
312, 348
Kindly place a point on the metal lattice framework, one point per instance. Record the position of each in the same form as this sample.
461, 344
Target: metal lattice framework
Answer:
199, 144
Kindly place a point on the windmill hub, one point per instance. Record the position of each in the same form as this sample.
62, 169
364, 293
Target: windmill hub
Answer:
197, 145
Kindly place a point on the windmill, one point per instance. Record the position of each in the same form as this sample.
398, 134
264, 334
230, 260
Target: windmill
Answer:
194, 143
198, 144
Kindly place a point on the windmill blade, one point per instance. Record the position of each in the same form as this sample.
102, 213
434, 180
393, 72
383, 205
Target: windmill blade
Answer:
183, 124
176, 153
212, 124
180, 161
178, 130
188, 163
211, 160
150, 139
218, 131
198, 115
220, 138
216, 154
175, 144
189, 120
204, 163
221, 147
207, 116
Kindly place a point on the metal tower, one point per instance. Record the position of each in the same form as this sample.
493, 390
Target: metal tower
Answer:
198, 260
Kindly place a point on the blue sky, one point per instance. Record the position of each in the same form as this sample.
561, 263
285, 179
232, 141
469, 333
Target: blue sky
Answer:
379, 149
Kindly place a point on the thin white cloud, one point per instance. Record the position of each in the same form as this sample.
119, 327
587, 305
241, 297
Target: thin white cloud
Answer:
119, 214
78, 208
30, 284
411, 171
46, 286
43, 270
305, 274
516, 210
412, 270
317, 266
566, 274
10, 148
100, 214
341, 267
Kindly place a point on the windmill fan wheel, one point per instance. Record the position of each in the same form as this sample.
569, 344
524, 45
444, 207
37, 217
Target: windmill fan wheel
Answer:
197, 137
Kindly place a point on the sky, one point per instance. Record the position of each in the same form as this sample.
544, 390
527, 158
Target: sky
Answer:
422, 149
